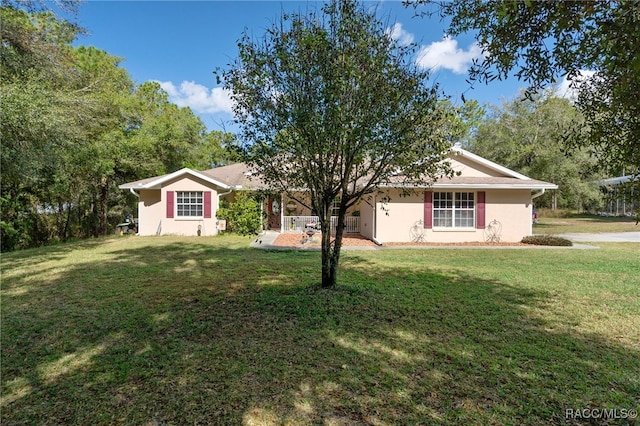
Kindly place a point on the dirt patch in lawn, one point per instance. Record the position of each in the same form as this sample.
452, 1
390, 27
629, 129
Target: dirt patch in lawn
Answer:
300, 240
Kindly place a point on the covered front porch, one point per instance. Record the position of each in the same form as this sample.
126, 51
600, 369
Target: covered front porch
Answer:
290, 216
299, 223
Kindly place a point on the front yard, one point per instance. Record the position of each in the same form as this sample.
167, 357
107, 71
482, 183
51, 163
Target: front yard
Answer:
168, 330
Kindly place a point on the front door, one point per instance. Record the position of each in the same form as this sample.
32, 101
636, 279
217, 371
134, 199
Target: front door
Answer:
273, 212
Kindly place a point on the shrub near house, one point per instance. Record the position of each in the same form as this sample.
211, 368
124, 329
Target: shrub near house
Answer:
243, 215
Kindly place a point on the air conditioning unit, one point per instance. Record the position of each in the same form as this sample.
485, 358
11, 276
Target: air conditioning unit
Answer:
222, 225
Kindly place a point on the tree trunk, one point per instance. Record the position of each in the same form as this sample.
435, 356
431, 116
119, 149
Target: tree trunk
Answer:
95, 231
67, 222
328, 269
337, 245
104, 204
60, 214
62, 220
331, 252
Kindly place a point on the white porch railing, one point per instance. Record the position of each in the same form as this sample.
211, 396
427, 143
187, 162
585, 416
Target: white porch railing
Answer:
299, 223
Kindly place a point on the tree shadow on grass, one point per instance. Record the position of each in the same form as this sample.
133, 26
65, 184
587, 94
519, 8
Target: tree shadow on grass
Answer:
193, 333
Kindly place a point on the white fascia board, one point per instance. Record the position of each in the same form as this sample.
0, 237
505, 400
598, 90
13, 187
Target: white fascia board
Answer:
490, 164
493, 186
156, 183
460, 186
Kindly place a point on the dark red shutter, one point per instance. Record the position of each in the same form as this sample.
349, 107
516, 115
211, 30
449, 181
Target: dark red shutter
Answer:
428, 209
207, 204
170, 208
480, 210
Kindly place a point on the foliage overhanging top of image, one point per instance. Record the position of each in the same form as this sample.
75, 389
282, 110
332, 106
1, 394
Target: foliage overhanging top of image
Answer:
544, 41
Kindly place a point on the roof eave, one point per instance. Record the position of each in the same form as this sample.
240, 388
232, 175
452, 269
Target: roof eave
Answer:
475, 186
494, 186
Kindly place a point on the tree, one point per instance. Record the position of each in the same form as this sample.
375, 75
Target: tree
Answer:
528, 136
73, 127
544, 40
464, 120
331, 105
39, 114
170, 133
215, 150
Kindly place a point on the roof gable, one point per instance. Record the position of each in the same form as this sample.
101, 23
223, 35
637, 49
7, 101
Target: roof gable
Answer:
470, 164
158, 181
474, 172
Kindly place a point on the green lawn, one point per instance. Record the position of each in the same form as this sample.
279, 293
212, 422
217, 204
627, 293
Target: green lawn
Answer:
581, 223
166, 330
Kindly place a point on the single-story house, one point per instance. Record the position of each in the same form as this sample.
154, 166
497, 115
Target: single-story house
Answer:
484, 202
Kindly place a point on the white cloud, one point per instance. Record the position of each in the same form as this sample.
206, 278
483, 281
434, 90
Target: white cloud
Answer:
446, 54
400, 35
569, 88
199, 98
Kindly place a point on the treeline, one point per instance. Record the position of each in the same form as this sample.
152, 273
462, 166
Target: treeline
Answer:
531, 136
74, 126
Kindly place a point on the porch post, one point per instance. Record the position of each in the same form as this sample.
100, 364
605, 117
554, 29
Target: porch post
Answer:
281, 213
375, 215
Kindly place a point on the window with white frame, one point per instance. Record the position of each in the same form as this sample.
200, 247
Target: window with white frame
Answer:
189, 204
453, 209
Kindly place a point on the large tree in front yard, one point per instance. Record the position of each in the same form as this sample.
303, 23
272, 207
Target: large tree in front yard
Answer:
330, 104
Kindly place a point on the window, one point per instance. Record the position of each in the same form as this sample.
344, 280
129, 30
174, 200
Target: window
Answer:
189, 204
453, 209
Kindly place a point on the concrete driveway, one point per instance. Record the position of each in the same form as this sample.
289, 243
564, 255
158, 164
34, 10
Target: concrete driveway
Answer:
604, 237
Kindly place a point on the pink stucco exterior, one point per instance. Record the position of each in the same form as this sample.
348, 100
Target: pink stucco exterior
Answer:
152, 209
500, 207
402, 218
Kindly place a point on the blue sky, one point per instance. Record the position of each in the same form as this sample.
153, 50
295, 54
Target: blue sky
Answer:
180, 44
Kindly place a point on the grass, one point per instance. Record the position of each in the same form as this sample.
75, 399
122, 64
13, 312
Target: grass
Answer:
581, 223
174, 330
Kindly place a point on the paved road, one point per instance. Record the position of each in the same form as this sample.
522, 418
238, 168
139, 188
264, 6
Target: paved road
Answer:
604, 237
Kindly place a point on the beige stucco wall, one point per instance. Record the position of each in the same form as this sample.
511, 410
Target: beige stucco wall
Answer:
469, 168
367, 217
395, 219
152, 210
